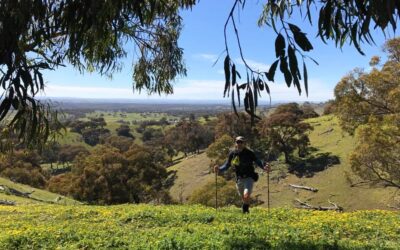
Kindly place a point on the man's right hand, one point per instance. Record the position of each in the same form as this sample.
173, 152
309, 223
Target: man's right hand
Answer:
216, 169
267, 167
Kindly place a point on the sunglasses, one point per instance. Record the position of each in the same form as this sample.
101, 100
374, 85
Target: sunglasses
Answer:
239, 142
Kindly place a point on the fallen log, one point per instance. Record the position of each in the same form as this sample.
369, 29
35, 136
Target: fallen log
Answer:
305, 205
393, 207
304, 187
326, 132
7, 203
15, 192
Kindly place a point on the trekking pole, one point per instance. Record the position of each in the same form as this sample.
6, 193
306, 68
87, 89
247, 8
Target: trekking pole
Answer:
268, 189
269, 168
216, 191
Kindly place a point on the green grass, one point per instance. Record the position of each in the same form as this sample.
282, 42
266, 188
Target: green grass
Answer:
69, 137
193, 227
39, 195
191, 174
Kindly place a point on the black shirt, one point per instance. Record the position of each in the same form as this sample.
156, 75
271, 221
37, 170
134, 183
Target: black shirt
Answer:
242, 162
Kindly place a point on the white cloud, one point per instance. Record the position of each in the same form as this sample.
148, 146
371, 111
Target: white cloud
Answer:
193, 90
185, 89
317, 91
208, 57
258, 66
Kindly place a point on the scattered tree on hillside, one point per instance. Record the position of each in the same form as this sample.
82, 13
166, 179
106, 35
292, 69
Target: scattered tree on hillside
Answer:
284, 131
152, 134
23, 166
77, 126
329, 107
308, 111
360, 95
124, 130
50, 152
93, 136
188, 137
106, 176
68, 152
235, 125
92, 131
368, 104
121, 142
377, 155
219, 150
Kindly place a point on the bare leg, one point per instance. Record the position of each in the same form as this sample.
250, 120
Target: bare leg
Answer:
246, 201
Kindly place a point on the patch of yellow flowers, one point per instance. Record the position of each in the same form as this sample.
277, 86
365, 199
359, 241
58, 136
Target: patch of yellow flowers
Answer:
193, 227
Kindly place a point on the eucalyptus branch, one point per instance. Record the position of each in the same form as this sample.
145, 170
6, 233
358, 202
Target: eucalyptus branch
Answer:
230, 16
240, 48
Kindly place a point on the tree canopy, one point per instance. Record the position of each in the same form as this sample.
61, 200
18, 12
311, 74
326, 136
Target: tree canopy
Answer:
368, 104
284, 130
92, 36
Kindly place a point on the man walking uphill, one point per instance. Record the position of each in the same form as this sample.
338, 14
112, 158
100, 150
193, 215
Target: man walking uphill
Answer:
242, 160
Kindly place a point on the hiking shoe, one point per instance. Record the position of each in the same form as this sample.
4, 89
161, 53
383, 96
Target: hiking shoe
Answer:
245, 208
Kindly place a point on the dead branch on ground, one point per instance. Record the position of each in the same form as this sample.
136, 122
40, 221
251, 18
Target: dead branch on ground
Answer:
305, 205
304, 187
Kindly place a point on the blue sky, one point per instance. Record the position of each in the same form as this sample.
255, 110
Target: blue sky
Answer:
203, 41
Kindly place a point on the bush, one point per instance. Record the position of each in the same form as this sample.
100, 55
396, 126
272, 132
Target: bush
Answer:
107, 176
227, 194
23, 166
62, 184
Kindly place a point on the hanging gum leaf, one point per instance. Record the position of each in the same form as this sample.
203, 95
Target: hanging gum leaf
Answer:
280, 45
292, 61
255, 92
284, 69
233, 102
238, 93
296, 82
301, 40
294, 28
260, 86
305, 75
246, 102
271, 72
227, 75
233, 75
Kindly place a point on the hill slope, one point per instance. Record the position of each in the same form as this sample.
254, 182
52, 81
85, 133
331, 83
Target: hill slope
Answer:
334, 183
37, 196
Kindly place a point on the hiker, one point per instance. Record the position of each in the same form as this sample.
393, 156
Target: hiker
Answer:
242, 160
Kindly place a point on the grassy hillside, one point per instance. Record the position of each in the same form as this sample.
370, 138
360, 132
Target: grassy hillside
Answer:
334, 183
37, 197
193, 227
190, 174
